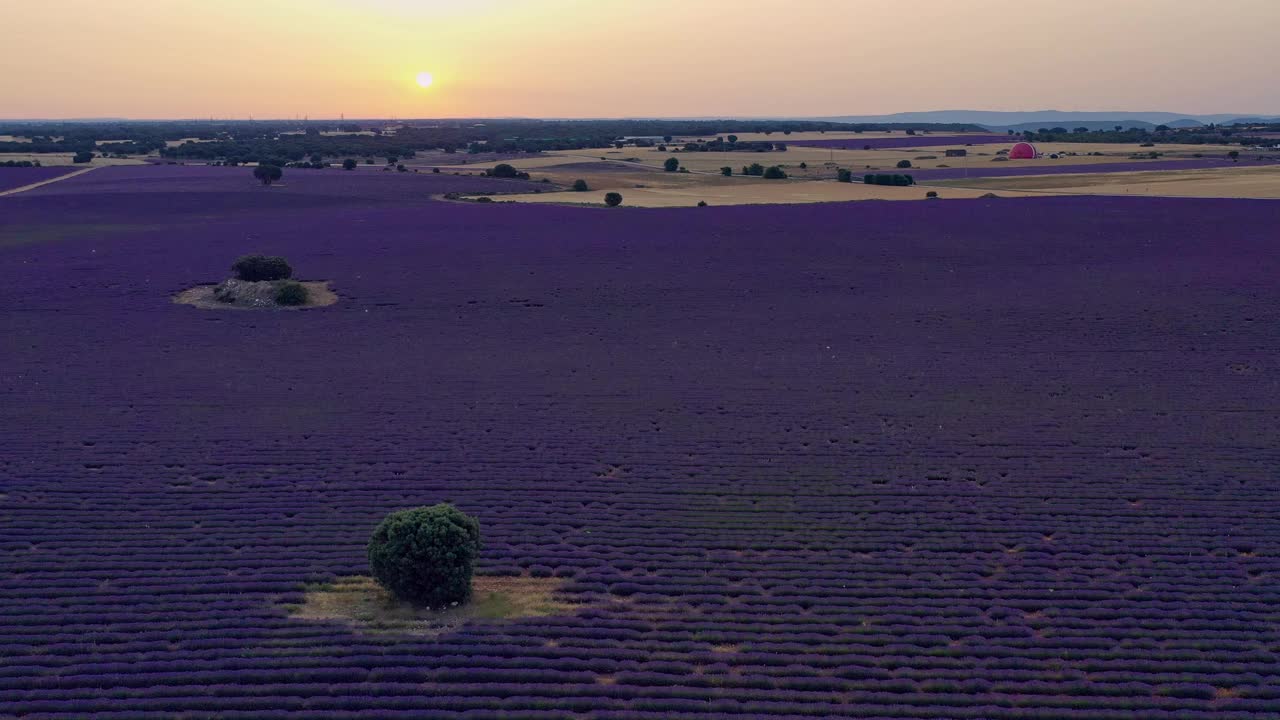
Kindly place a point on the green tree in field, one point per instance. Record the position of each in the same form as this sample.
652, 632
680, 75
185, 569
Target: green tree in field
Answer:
349, 164
843, 175
671, 165
267, 173
755, 169
426, 555
903, 164
613, 199
580, 185
775, 173
726, 171
83, 156
1234, 155
733, 139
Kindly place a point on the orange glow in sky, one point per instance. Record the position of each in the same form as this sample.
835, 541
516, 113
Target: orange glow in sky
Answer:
610, 58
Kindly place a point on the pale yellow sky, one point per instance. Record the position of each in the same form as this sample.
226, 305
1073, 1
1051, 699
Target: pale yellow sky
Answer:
609, 58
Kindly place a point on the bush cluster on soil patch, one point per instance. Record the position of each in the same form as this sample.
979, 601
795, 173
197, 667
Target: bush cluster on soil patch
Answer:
426, 555
291, 293
257, 268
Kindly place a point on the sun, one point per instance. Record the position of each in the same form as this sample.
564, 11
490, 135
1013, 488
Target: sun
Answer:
425, 79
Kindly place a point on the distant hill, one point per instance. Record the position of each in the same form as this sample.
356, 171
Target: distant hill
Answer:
1033, 120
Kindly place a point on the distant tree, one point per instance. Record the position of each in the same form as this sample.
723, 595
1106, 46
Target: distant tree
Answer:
1119, 128
774, 173
393, 159
931, 194
671, 165
368, 161
910, 131
733, 139
726, 171
401, 168
426, 555
267, 173
702, 203
903, 164
666, 138
349, 164
843, 175
503, 170
804, 166
1082, 129
662, 148
786, 132
82, 157
613, 199
1162, 128
259, 268
435, 170
755, 169
1234, 155
580, 185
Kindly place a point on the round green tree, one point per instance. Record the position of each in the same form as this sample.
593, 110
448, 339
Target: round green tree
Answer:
426, 555
613, 199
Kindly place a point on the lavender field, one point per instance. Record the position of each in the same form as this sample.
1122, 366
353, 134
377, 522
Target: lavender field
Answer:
966, 459
16, 177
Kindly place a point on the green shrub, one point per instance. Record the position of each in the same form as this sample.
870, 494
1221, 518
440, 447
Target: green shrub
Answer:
671, 165
903, 164
503, 170
349, 164
932, 194
292, 293
580, 186
82, 157
256, 268
426, 555
613, 199
843, 175
726, 171
775, 173
702, 203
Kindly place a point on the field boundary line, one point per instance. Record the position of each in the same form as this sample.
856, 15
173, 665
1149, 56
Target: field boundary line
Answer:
42, 183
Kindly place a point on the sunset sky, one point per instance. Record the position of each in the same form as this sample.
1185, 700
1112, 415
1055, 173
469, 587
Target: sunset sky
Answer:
609, 58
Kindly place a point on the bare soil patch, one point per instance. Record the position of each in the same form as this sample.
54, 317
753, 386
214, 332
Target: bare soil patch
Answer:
258, 297
361, 601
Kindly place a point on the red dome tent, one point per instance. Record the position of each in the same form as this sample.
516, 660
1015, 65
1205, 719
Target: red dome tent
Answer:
1023, 151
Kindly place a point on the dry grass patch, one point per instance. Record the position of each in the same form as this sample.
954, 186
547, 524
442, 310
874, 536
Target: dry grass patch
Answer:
202, 296
361, 601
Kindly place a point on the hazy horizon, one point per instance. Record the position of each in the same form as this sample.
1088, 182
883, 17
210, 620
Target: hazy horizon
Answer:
281, 59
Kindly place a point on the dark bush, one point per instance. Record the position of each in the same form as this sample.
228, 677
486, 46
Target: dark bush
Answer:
426, 555
843, 175
613, 199
82, 157
503, 170
267, 173
702, 203
291, 293
580, 185
256, 268
349, 164
671, 165
726, 171
484, 199
931, 194
775, 173
904, 164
